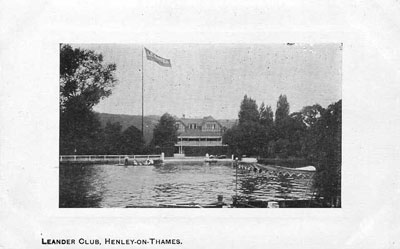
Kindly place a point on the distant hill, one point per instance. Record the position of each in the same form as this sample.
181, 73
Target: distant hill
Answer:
150, 122
136, 120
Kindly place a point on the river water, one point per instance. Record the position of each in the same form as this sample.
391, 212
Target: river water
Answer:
171, 183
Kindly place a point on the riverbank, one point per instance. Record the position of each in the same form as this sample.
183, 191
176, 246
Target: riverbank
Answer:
285, 162
194, 159
120, 159
112, 161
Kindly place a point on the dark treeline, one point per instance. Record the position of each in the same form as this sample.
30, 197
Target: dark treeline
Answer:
313, 135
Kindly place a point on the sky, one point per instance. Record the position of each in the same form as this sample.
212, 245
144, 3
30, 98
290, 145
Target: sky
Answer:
212, 79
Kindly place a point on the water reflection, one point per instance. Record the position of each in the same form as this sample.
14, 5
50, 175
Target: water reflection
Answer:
121, 186
267, 186
76, 190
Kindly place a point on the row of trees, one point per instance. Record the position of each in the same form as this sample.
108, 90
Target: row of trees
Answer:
313, 133
261, 133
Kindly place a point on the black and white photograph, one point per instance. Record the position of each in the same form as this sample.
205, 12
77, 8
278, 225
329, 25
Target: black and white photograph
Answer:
200, 126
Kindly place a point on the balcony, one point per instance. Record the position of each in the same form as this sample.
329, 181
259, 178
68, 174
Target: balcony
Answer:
204, 141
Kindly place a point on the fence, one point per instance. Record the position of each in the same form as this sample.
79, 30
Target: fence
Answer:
107, 158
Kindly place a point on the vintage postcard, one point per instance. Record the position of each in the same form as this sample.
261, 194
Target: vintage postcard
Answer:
199, 124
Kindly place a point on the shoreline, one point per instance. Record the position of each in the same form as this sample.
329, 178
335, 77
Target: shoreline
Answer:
194, 159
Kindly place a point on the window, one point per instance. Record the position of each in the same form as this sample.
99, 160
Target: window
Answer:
211, 126
214, 139
192, 126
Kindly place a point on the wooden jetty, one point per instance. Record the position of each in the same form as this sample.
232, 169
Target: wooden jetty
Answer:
273, 170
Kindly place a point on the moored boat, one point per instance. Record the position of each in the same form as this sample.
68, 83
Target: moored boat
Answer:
135, 162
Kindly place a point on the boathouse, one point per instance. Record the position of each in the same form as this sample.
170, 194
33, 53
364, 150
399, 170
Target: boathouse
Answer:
198, 136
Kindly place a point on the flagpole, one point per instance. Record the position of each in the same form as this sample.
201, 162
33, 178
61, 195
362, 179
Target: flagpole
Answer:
142, 97
159, 60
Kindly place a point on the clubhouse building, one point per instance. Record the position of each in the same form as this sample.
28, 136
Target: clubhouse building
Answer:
198, 136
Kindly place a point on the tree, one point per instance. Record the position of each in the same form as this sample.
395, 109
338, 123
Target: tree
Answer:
132, 141
248, 137
311, 114
80, 129
232, 137
245, 139
267, 123
248, 111
309, 117
252, 138
112, 138
282, 147
165, 133
83, 74
326, 152
282, 110
282, 119
295, 133
266, 115
84, 81
80, 132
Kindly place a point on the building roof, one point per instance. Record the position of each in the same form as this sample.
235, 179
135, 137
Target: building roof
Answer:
228, 123
198, 121
187, 121
199, 133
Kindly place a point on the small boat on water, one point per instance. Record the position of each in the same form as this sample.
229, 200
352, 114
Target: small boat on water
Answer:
214, 159
306, 168
134, 162
248, 160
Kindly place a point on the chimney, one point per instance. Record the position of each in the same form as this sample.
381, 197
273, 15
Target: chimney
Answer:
183, 115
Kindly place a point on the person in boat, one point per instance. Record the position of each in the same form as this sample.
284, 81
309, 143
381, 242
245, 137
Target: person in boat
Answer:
220, 201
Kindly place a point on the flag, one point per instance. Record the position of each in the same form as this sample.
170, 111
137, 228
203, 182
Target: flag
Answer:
157, 59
